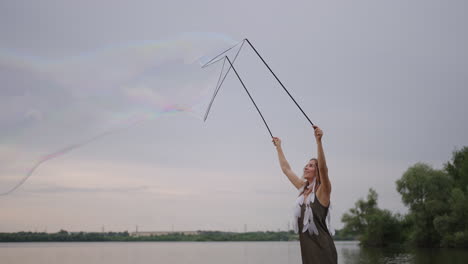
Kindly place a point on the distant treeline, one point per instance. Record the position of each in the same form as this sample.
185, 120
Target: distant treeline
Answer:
438, 209
64, 236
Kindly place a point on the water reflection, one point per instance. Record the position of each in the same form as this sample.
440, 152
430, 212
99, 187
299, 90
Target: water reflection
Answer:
358, 255
351, 253
213, 252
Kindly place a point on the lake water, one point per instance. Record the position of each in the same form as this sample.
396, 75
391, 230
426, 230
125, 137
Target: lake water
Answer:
209, 253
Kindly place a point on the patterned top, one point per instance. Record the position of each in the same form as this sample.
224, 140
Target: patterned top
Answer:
308, 221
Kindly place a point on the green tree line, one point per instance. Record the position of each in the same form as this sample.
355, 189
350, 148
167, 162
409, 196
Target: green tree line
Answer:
65, 236
62, 236
438, 209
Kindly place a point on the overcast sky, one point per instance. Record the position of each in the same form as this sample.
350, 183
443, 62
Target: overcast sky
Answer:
385, 80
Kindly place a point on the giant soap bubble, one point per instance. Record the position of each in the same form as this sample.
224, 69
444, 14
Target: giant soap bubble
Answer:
49, 107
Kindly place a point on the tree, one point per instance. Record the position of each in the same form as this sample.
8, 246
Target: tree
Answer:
458, 168
356, 220
453, 226
426, 192
438, 208
374, 227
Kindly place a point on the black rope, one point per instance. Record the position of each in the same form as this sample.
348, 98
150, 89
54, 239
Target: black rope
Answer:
278, 80
219, 84
245, 88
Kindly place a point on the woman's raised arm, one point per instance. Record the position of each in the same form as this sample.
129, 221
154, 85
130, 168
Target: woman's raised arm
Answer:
285, 165
322, 163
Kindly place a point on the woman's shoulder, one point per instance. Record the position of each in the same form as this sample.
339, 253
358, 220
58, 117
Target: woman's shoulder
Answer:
322, 199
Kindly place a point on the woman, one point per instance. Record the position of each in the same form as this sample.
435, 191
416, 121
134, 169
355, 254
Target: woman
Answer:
312, 205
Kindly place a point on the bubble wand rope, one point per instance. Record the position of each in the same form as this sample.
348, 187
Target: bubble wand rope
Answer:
264, 62
245, 88
218, 85
286, 90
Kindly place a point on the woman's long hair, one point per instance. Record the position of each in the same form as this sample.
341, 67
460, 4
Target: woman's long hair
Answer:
318, 182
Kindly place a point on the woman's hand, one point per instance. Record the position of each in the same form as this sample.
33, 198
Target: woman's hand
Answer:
318, 133
277, 142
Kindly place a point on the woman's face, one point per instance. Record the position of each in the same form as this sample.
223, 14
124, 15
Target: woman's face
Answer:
310, 170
